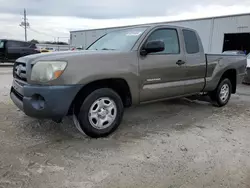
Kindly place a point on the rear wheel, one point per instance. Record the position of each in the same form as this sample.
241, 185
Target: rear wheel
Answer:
100, 113
222, 94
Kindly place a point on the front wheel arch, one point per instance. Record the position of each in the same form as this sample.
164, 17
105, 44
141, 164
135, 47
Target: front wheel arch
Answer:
84, 118
119, 85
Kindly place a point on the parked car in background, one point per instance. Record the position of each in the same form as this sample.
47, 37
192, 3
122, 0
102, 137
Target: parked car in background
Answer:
47, 49
77, 48
50, 49
234, 52
123, 68
44, 51
10, 50
247, 77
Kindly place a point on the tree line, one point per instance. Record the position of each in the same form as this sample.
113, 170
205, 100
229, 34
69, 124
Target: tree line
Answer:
48, 42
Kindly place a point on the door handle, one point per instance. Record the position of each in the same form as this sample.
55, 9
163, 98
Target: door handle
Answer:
180, 62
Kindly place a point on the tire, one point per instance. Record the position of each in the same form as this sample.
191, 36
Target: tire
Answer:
100, 105
217, 96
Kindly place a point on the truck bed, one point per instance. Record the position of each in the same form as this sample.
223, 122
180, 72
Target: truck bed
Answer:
217, 64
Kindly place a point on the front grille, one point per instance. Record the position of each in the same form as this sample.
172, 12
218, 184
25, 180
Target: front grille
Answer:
19, 71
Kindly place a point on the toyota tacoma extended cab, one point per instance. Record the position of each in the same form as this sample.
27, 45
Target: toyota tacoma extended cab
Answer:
122, 68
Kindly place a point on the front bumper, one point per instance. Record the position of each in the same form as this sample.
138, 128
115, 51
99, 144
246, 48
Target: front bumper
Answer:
246, 79
52, 102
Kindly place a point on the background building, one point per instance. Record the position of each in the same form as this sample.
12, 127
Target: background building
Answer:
217, 33
55, 47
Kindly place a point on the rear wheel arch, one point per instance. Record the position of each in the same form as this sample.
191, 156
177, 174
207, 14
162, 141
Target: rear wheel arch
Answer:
221, 95
231, 74
229, 77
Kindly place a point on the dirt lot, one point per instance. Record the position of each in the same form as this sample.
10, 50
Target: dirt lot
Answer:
180, 143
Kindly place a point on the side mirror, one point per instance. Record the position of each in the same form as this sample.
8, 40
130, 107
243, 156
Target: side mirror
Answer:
153, 46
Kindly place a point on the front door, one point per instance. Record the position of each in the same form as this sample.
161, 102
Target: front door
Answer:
162, 74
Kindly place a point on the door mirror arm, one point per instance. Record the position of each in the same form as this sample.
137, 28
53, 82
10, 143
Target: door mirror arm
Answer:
143, 52
152, 47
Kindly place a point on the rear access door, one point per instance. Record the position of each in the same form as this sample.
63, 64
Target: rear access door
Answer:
195, 62
16, 49
13, 50
27, 48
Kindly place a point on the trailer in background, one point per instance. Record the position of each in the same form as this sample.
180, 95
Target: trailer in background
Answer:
55, 47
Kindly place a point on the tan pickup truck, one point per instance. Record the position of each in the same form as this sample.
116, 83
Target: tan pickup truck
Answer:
123, 68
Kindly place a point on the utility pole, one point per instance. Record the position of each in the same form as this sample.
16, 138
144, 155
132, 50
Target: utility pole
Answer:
25, 24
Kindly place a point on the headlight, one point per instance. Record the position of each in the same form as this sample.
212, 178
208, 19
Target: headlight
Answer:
44, 71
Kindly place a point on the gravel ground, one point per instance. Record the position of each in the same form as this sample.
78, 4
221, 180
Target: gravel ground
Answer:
179, 143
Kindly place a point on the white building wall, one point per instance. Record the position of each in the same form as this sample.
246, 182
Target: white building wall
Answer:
78, 38
85, 38
93, 35
211, 31
234, 24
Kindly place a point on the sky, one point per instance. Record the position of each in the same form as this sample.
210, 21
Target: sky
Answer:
50, 19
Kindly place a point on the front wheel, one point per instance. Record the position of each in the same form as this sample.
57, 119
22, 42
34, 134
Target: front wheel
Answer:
222, 94
100, 113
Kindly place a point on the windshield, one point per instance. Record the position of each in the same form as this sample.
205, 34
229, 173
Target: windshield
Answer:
1, 44
122, 40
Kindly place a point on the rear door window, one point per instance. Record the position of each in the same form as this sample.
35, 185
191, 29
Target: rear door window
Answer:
191, 41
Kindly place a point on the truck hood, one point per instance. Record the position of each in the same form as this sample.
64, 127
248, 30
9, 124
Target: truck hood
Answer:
64, 55
85, 66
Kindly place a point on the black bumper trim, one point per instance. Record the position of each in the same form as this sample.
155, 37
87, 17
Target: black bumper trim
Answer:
16, 101
57, 100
